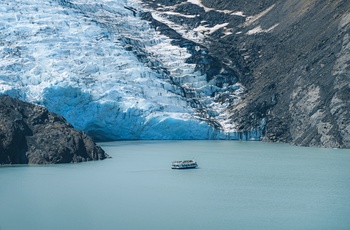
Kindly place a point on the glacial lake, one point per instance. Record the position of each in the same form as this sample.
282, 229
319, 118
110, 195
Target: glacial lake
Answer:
238, 185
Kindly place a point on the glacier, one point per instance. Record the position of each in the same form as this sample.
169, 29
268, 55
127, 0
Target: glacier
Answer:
111, 74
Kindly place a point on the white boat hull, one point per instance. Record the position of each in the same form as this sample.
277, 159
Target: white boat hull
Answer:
188, 164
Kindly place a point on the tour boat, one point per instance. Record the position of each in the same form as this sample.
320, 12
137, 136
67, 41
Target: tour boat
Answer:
186, 164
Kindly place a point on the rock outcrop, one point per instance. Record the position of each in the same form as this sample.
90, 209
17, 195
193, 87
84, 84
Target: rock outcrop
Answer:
30, 134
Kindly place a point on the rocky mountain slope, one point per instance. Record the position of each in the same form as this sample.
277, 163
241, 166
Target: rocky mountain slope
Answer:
291, 56
184, 69
30, 134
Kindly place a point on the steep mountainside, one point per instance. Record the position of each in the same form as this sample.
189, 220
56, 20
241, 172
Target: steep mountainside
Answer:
291, 56
29, 134
184, 69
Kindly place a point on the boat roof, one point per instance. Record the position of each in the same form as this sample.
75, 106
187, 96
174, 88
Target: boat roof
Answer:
185, 161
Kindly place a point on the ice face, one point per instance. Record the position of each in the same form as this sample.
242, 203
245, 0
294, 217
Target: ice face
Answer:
105, 70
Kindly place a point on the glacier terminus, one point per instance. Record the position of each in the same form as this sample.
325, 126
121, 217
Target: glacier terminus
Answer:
103, 67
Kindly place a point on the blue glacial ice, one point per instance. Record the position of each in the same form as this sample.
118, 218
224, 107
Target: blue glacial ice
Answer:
81, 59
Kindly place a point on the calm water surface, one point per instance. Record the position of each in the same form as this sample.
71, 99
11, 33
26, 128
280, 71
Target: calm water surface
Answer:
238, 185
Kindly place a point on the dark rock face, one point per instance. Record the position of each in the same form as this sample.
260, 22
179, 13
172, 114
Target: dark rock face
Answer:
30, 134
292, 56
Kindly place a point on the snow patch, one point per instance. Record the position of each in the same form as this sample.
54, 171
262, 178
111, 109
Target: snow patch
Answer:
238, 13
207, 9
181, 15
258, 29
251, 19
210, 30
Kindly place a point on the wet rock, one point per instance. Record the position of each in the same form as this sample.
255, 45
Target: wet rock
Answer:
30, 134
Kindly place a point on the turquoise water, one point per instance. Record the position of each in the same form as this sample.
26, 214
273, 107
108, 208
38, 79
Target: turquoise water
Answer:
238, 185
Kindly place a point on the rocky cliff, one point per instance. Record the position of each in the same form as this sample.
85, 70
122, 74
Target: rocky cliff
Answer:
30, 134
292, 57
